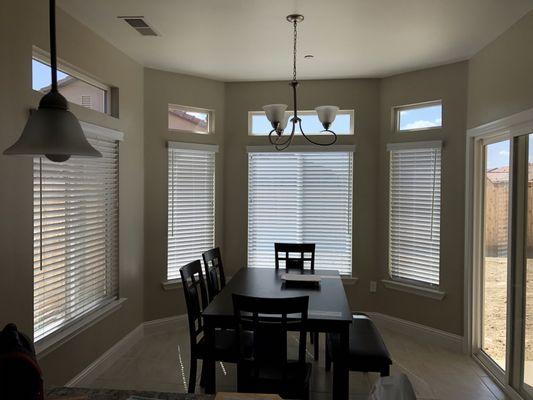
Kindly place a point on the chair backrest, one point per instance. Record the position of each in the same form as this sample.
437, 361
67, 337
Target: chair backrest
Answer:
195, 298
270, 320
295, 255
214, 272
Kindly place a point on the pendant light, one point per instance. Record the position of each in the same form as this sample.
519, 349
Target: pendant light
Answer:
276, 113
52, 130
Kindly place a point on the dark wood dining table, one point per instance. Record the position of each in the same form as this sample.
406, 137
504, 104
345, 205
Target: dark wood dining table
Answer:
328, 312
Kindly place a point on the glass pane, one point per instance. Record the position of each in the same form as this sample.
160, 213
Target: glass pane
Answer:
182, 119
495, 250
310, 124
528, 356
75, 90
418, 118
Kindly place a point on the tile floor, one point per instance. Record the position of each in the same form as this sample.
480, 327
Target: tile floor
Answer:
160, 362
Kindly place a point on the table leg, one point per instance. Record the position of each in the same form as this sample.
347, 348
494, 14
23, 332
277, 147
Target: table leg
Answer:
341, 373
209, 362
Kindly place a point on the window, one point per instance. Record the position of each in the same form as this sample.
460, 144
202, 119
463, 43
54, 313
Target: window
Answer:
419, 117
414, 212
301, 197
75, 220
189, 119
76, 88
258, 124
191, 203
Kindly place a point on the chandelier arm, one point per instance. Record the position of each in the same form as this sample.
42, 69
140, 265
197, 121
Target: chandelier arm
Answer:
278, 137
334, 138
284, 145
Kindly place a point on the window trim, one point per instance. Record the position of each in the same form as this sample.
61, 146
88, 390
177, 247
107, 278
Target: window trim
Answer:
350, 112
414, 106
210, 119
422, 288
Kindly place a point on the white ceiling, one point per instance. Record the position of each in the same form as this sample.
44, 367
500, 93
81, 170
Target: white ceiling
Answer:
238, 40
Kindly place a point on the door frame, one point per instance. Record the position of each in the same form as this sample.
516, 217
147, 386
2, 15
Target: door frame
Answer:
519, 124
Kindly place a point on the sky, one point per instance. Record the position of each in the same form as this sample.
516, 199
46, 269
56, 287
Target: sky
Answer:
419, 118
41, 75
310, 124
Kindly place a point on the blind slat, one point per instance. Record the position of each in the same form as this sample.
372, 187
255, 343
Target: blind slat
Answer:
191, 207
79, 219
414, 214
301, 198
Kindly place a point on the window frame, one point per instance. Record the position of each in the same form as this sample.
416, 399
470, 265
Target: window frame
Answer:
423, 288
415, 106
350, 112
85, 320
44, 58
210, 119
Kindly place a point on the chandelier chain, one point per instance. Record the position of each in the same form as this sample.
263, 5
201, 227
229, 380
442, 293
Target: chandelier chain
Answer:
294, 51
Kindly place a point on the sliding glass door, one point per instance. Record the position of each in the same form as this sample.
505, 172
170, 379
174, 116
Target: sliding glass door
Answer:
503, 259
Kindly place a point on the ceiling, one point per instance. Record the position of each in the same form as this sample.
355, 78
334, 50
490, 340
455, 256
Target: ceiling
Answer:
240, 40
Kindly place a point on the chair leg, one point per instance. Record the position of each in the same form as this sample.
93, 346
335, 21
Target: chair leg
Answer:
202, 376
327, 363
316, 345
311, 337
192, 374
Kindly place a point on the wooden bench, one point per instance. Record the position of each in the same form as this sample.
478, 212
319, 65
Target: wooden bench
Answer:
368, 352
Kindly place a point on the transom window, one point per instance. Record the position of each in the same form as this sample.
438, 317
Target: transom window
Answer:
301, 198
419, 117
258, 124
190, 119
76, 88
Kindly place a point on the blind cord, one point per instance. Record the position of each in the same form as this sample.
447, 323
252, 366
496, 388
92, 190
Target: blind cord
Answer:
41, 213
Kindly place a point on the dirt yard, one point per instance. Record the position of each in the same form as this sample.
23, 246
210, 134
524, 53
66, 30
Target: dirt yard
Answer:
495, 311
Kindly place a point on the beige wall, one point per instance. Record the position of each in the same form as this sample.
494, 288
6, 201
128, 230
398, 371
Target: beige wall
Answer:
160, 89
448, 83
501, 75
24, 23
358, 94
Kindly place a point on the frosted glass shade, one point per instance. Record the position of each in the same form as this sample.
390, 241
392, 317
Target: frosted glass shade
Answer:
327, 114
275, 113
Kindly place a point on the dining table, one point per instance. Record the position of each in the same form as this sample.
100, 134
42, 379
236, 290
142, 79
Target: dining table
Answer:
328, 312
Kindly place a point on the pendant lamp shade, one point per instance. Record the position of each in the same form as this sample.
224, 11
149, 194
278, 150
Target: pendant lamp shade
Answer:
53, 131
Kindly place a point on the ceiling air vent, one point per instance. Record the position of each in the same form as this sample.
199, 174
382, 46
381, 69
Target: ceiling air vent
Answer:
140, 25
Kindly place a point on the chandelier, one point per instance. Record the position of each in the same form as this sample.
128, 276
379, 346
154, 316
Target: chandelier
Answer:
276, 113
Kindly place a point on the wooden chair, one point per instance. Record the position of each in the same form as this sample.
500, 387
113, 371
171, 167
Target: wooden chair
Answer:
214, 272
305, 254
284, 252
267, 369
225, 346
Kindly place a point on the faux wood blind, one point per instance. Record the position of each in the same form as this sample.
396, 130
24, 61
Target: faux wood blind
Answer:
75, 222
301, 198
414, 219
191, 205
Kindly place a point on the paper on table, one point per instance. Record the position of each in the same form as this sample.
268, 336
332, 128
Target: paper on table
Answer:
300, 278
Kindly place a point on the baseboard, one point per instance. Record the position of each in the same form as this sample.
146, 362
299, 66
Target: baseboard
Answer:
430, 335
89, 374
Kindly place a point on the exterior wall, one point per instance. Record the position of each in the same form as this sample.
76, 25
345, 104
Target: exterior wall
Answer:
361, 95
29, 19
74, 91
448, 83
160, 89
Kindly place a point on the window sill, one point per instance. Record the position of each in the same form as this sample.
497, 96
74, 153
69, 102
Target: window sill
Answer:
414, 289
171, 284
55, 340
349, 280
